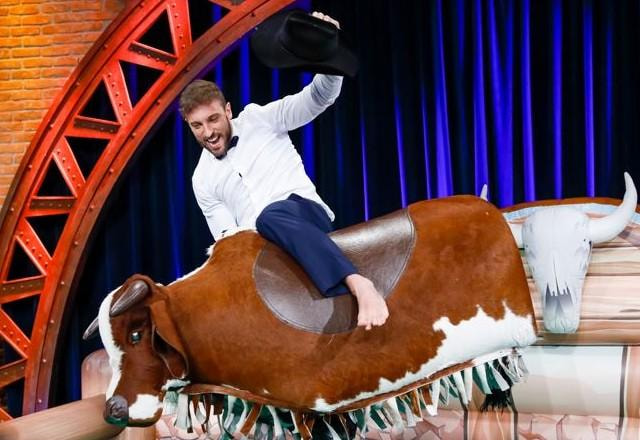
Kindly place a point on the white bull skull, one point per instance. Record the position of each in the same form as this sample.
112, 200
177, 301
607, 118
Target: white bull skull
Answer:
557, 243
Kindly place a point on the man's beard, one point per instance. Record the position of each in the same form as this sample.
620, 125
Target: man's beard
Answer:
226, 134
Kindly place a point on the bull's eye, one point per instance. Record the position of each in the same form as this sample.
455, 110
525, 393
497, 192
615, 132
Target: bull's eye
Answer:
135, 337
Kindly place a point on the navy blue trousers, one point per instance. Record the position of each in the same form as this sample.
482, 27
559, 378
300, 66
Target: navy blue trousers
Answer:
300, 227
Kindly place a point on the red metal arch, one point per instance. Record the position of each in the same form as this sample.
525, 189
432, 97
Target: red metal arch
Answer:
100, 68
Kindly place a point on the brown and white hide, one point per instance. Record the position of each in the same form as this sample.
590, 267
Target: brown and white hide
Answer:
461, 299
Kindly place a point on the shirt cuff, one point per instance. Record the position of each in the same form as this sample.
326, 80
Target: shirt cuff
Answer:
326, 88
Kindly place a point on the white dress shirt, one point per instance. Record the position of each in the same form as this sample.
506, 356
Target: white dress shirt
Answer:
264, 166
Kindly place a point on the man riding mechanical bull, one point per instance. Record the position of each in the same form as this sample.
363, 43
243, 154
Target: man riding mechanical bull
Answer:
251, 177
271, 324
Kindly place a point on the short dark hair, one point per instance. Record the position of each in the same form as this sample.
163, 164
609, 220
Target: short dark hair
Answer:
199, 92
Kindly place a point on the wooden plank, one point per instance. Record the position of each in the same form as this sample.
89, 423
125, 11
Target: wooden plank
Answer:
609, 314
73, 421
603, 297
595, 332
629, 237
608, 261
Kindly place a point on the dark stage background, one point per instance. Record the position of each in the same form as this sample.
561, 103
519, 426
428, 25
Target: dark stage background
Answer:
539, 99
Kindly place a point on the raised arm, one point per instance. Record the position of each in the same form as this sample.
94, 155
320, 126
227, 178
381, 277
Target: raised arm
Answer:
294, 111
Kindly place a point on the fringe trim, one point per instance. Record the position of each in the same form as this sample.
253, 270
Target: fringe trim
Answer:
239, 418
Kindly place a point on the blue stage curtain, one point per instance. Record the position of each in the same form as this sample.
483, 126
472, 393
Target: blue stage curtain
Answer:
536, 98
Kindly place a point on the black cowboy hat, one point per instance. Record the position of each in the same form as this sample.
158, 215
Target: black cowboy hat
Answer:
293, 38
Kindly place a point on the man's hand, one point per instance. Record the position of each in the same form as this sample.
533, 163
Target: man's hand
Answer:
325, 17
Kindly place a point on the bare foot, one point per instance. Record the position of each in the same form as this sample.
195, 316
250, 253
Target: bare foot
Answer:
372, 309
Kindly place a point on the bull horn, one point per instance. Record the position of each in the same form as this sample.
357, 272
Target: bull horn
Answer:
484, 192
135, 293
516, 231
606, 228
91, 330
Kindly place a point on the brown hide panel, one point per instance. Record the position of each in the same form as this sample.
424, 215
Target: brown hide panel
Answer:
464, 258
379, 249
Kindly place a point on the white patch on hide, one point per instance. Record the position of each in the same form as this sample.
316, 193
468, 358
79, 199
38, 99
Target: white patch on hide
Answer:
471, 338
114, 352
144, 407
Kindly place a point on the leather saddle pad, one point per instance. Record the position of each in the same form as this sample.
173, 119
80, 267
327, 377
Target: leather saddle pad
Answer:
379, 249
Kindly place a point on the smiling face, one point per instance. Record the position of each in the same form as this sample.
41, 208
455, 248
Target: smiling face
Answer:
211, 125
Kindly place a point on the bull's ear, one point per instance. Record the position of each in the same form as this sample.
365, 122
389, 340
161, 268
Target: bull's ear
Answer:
166, 341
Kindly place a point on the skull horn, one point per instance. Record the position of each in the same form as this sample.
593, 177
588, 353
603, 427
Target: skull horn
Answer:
134, 293
606, 228
91, 330
484, 192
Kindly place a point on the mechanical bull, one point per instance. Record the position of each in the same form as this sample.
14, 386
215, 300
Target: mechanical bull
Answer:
557, 243
250, 323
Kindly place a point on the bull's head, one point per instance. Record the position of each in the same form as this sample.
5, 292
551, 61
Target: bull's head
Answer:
557, 243
144, 348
